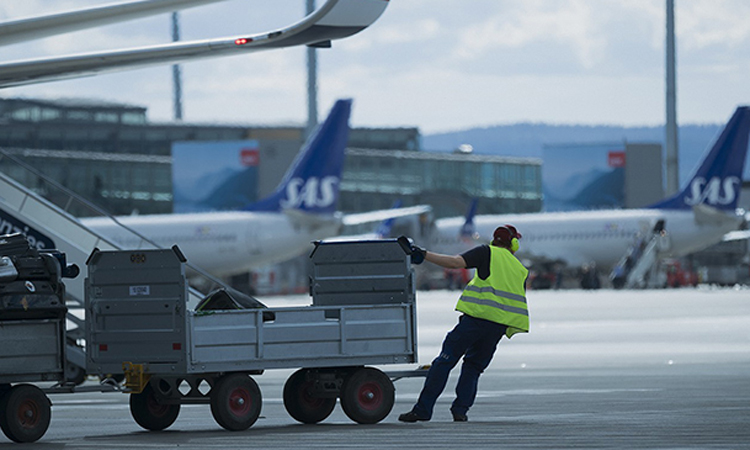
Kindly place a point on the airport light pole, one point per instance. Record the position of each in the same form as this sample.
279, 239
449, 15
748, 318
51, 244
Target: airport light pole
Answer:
673, 182
312, 83
176, 75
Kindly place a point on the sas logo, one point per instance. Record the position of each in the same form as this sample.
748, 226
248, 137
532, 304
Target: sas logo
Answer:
714, 191
313, 193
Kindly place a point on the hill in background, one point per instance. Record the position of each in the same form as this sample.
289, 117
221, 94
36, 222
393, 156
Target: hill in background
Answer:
529, 139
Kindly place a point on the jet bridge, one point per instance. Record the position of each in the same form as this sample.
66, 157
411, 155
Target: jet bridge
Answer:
48, 224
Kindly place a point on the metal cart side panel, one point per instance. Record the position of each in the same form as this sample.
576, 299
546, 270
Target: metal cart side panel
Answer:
300, 337
135, 306
32, 350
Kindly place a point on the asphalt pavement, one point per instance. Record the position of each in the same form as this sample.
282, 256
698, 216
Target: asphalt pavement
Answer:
600, 369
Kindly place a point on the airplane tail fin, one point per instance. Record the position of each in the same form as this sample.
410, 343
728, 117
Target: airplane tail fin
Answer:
312, 182
384, 228
468, 229
718, 180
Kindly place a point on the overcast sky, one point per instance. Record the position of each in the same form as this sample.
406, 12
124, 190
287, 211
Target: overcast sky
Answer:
436, 64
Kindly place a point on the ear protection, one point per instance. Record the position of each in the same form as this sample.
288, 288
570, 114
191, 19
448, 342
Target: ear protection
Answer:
508, 235
514, 244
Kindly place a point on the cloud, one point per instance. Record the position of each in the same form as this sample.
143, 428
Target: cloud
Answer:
532, 22
435, 64
707, 24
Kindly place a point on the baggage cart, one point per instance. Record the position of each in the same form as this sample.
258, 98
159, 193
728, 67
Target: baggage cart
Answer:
32, 335
362, 314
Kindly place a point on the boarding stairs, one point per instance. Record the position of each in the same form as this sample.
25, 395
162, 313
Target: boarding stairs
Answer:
47, 210
639, 267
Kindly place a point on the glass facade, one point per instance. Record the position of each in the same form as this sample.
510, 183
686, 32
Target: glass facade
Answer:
107, 153
90, 126
122, 184
374, 179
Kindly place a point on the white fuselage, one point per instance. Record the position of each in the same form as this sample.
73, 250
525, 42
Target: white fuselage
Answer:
601, 237
221, 243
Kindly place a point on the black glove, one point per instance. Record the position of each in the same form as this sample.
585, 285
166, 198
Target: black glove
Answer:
417, 254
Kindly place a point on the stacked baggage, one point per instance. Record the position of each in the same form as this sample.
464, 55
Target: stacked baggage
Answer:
32, 334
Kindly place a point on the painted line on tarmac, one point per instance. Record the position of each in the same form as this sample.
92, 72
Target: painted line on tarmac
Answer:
525, 392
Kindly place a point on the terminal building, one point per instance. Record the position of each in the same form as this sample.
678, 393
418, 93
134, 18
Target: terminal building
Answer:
111, 155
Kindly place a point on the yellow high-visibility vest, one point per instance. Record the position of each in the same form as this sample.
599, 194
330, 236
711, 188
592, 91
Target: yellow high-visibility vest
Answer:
501, 297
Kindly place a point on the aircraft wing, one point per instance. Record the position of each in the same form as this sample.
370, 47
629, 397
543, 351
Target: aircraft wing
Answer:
335, 19
51, 25
738, 235
383, 214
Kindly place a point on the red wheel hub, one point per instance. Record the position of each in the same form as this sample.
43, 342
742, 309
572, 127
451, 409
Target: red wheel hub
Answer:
307, 398
370, 396
28, 414
240, 402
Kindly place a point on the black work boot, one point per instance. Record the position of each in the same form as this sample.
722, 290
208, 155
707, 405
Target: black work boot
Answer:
458, 417
411, 417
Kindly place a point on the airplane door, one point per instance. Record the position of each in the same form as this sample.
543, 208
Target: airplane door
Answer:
664, 242
252, 239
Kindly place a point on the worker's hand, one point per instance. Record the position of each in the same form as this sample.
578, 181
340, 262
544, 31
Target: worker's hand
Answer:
417, 254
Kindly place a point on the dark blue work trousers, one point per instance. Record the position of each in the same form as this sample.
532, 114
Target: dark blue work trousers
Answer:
475, 340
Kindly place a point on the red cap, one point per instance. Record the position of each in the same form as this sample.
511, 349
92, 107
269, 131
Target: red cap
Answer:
514, 231
503, 236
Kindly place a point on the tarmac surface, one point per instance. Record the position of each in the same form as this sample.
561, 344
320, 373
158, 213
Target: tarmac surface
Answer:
666, 369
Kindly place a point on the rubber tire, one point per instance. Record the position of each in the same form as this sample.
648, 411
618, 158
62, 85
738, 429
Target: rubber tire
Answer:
15, 406
300, 404
367, 395
75, 374
236, 401
149, 413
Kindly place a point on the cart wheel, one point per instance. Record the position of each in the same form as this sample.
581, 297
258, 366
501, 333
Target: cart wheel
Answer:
367, 395
75, 374
24, 413
300, 402
235, 401
149, 413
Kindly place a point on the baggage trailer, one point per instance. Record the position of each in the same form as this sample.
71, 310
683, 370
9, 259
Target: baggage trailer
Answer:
362, 314
32, 334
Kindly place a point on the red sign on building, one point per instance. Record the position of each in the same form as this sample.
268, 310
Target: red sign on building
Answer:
249, 157
616, 159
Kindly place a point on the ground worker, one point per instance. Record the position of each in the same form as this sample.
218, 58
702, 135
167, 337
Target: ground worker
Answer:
493, 305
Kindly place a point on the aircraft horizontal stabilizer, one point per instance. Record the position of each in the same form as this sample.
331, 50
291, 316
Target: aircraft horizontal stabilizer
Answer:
384, 214
336, 19
708, 215
311, 221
